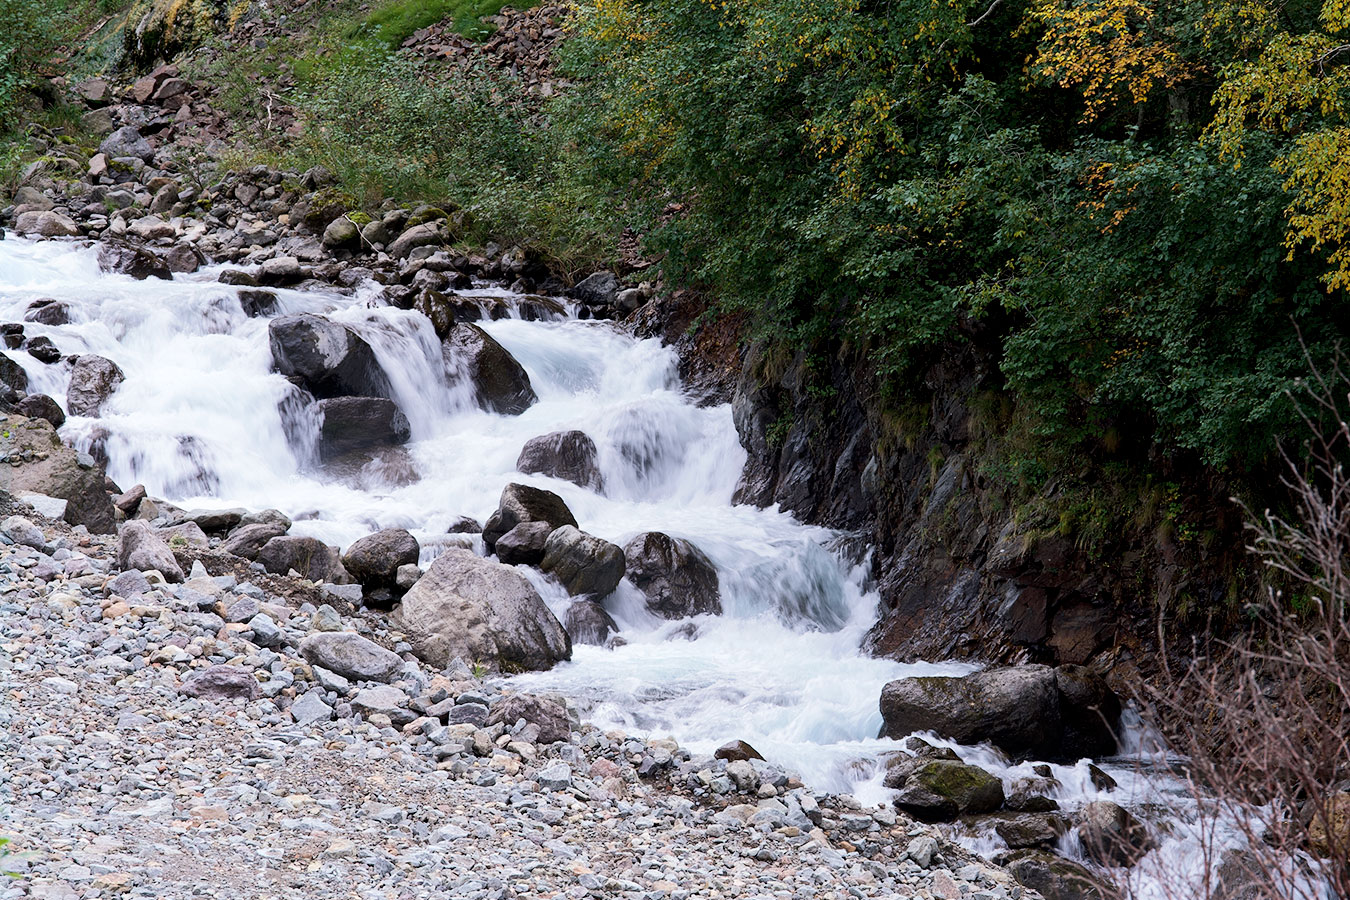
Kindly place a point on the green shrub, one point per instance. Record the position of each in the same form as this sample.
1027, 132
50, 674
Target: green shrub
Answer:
26, 39
393, 22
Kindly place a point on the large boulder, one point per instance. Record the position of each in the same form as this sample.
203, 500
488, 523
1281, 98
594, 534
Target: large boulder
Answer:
942, 789
678, 580
569, 455
500, 383
360, 423
328, 358
1329, 830
138, 262
127, 142
1054, 877
311, 557
374, 560
351, 656
92, 381
47, 311
1111, 835
45, 224
40, 463
523, 503
247, 541
588, 623
549, 715
585, 564
1016, 709
1089, 712
423, 235
40, 406
476, 610
221, 683
140, 548
524, 544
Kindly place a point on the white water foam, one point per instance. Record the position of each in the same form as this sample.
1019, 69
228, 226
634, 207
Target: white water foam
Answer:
199, 421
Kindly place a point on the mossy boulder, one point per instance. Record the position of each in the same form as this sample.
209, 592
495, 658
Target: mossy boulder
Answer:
943, 789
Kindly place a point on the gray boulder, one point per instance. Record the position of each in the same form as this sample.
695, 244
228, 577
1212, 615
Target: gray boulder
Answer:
40, 406
524, 544
341, 232
598, 289
351, 656
500, 383
92, 381
41, 463
588, 623
328, 358
127, 142
221, 683
1055, 714
423, 235
247, 541
475, 609
523, 503
138, 547
677, 578
569, 455
383, 700
585, 564
138, 262
375, 559
1016, 709
360, 423
45, 223
942, 789
1054, 877
548, 714
311, 557
1111, 835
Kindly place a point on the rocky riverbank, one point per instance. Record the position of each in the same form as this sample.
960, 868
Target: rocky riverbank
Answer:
236, 735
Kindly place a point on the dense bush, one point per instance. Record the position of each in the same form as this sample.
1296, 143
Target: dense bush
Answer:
896, 175
26, 28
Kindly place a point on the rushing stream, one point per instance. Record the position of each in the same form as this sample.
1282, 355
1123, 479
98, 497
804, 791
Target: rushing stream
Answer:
199, 422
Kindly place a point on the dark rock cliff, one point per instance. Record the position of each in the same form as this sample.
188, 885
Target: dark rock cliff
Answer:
963, 569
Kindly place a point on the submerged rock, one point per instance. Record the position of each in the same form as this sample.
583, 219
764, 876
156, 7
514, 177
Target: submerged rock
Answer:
1111, 835
588, 623
127, 259
585, 564
677, 578
359, 423
523, 503
471, 608
328, 358
568, 455
500, 383
92, 381
1021, 710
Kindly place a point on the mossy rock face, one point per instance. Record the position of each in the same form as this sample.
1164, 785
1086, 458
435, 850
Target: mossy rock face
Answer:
161, 29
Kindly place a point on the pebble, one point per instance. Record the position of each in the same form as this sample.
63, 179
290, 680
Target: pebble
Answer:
273, 775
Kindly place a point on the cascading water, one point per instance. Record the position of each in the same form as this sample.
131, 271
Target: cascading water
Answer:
202, 421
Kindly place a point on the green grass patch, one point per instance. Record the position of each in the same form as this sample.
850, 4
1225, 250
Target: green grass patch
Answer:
393, 22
